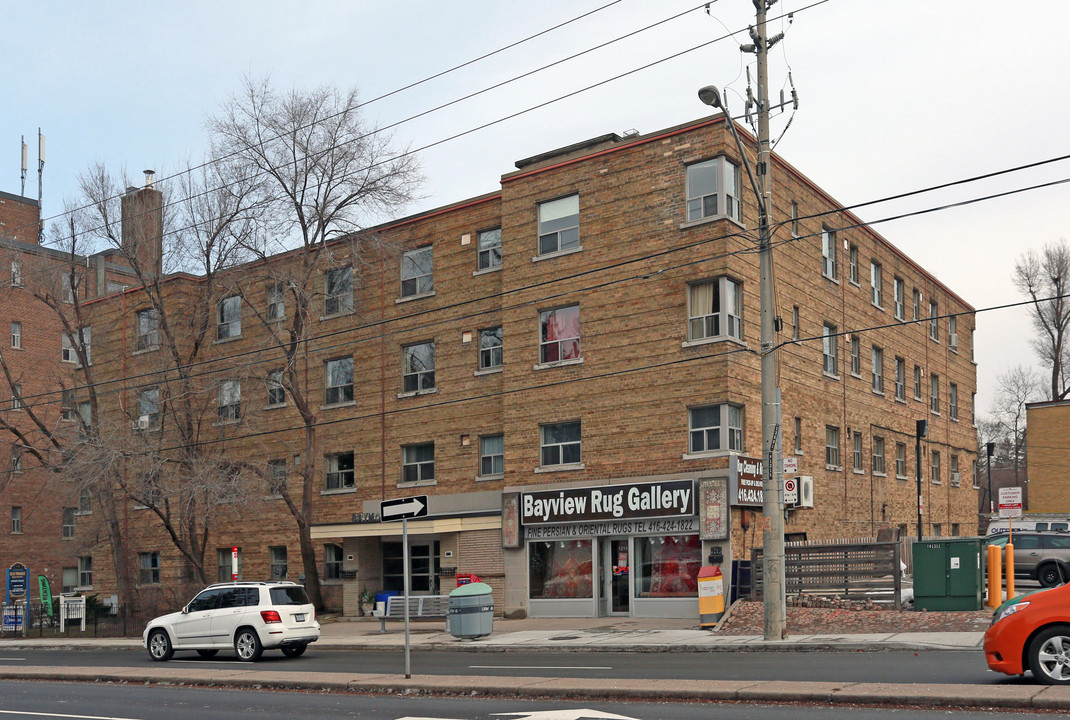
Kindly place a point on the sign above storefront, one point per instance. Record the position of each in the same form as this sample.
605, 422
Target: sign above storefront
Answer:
664, 526
672, 498
745, 481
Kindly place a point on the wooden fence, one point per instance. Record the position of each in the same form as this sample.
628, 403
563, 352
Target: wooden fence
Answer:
856, 569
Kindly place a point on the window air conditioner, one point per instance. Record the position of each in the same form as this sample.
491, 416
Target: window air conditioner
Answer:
956, 478
806, 491
954, 340
142, 423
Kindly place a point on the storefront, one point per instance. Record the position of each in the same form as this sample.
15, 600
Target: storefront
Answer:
627, 549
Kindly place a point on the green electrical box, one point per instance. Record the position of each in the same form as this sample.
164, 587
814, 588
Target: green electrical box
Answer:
948, 574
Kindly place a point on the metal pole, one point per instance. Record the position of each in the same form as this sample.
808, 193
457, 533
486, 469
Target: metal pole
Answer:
920, 431
405, 562
990, 448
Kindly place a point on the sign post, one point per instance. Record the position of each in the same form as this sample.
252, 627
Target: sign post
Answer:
402, 509
1010, 507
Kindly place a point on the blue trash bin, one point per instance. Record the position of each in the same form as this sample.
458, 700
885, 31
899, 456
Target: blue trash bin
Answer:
380, 600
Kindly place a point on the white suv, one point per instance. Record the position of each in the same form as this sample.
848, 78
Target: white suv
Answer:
248, 616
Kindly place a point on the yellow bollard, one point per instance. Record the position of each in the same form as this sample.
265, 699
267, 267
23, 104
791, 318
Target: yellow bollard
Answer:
1010, 571
995, 576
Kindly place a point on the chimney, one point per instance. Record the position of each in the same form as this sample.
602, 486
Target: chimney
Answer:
142, 211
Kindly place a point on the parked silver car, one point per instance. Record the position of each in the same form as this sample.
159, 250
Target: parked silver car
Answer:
1040, 556
249, 617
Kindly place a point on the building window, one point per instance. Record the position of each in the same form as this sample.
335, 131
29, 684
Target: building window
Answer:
878, 370
828, 348
878, 455
935, 469
276, 301
900, 379
560, 569
954, 470
85, 502
340, 473
66, 406
339, 375
148, 334
934, 321
67, 525
148, 568
953, 401
491, 455
229, 318
225, 571
276, 391
70, 284
559, 225
490, 348
560, 444
67, 351
276, 477
148, 408
856, 452
917, 382
560, 334
952, 333
713, 190
338, 290
277, 554
490, 249
16, 396
418, 367
828, 253
852, 264
794, 218
16, 335
899, 291
795, 323
900, 460
332, 561
832, 447
856, 356
667, 566
229, 402
798, 436
934, 393
16, 273
85, 571
716, 427
876, 284
70, 579
418, 463
973, 409
715, 309
16, 519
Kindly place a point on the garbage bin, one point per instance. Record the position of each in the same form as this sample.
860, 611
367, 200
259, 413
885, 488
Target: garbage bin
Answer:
380, 601
947, 574
471, 612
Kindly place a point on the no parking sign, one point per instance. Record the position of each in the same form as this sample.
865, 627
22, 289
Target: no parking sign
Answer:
791, 491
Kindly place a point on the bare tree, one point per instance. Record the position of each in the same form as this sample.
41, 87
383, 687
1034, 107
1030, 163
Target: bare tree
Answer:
327, 175
1044, 278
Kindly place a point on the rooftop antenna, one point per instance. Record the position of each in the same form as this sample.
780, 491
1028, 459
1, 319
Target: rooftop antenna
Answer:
40, 182
25, 164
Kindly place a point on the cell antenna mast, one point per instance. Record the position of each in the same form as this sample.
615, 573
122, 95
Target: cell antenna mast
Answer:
40, 183
25, 164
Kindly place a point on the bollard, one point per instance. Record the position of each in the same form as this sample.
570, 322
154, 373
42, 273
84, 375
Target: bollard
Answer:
1010, 571
995, 576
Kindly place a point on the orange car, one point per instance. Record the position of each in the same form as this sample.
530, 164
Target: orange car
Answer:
1032, 632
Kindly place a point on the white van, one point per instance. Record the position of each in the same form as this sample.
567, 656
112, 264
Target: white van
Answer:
1031, 521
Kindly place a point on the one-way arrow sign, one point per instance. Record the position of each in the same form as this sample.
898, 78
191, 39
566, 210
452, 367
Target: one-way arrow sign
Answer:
403, 508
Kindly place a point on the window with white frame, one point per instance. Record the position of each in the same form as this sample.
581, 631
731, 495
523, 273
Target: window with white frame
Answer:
418, 367
917, 382
276, 476
954, 470
828, 253
67, 351
953, 401
16, 519
340, 471
794, 218
714, 428
856, 451
560, 444
973, 409
828, 348
66, 405
85, 502
491, 455
900, 379
16, 458
832, 447
418, 463
878, 370
276, 301
876, 283
279, 564
713, 190
878, 455
490, 348
148, 568
490, 249
953, 333
276, 391
16, 396
16, 335
67, 523
332, 561
900, 460
339, 379
856, 356
934, 393
148, 328
934, 321
559, 334
899, 292
798, 436
338, 290
228, 318
795, 323
715, 309
16, 273
229, 401
935, 467
559, 225
148, 407
85, 571
852, 264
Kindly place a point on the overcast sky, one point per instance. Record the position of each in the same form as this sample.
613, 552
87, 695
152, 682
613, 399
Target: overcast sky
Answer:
894, 97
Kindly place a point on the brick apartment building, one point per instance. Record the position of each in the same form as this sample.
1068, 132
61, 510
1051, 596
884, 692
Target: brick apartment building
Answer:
567, 367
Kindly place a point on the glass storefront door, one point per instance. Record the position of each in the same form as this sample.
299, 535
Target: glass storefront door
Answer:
616, 571
423, 567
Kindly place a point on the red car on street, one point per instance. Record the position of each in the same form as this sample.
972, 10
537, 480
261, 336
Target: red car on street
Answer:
1032, 632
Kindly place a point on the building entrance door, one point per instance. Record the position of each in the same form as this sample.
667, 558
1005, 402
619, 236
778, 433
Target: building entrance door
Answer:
423, 567
616, 571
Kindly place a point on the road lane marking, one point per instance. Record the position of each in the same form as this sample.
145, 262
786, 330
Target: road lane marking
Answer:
11, 659
542, 667
64, 715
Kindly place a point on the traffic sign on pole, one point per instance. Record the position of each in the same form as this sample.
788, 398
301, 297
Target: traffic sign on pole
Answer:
1010, 502
403, 508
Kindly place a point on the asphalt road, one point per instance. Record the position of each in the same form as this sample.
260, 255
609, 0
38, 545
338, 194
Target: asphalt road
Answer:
891, 667
38, 700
